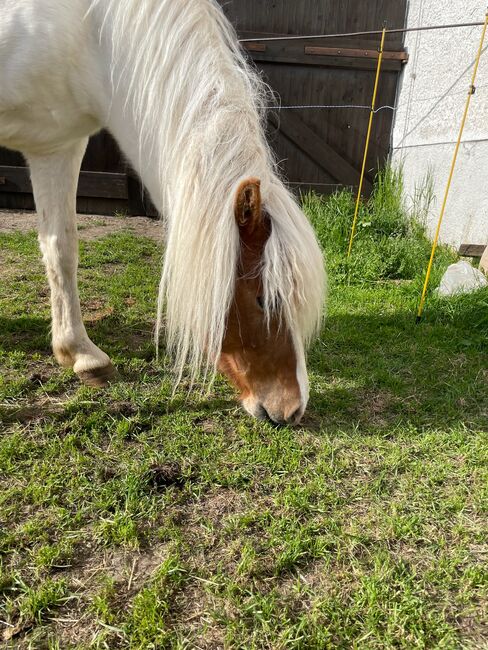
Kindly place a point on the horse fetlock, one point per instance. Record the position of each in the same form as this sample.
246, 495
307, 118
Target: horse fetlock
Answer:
63, 355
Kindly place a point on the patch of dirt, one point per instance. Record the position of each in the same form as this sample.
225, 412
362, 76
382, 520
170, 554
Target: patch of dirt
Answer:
218, 505
124, 408
163, 475
375, 406
13, 631
75, 623
473, 631
315, 577
133, 568
34, 407
95, 310
195, 612
89, 226
27, 414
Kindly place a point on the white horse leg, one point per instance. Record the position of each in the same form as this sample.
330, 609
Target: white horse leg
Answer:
54, 180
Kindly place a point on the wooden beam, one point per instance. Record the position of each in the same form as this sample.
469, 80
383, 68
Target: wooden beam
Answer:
355, 53
292, 57
471, 250
393, 42
15, 179
325, 156
255, 47
90, 184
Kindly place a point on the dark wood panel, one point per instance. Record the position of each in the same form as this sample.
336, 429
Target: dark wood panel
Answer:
322, 154
84, 205
472, 250
92, 184
103, 155
10, 157
296, 167
312, 17
344, 129
310, 77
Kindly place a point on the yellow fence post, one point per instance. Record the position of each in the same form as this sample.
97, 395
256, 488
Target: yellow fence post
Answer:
453, 164
368, 137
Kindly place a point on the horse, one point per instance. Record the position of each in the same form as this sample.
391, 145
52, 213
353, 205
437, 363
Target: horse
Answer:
243, 280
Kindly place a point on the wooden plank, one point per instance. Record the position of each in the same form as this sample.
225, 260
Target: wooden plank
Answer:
278, 54
321, 153
91, 184
472, 250
255, 47
354, 53
102, 185
349, 42
337, 52
16, 179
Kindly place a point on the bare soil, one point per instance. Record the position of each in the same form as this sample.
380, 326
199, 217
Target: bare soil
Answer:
89, 226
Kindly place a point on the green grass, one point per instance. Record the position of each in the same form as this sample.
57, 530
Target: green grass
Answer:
130, 518
390, 241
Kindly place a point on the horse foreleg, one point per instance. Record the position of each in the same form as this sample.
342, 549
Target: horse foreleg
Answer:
54, 180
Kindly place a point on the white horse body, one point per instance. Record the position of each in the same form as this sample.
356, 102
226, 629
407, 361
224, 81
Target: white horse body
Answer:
52, 90
167, 79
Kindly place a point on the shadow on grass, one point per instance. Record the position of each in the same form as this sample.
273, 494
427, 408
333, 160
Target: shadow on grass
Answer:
32, 334
26, 334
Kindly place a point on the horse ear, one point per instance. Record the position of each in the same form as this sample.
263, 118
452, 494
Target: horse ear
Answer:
247, 206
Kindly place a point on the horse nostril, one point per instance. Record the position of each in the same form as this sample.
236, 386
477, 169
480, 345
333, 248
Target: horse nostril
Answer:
279, 418
294, 418
263, 413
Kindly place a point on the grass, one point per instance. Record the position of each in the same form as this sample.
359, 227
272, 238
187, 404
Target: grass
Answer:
130, 518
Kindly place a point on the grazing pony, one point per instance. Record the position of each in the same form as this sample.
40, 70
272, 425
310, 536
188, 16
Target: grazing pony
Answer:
243, 279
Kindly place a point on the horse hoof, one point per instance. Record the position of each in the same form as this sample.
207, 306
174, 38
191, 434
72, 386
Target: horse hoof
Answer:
98, 377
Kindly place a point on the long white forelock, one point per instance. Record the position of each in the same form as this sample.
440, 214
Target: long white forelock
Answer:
293, 272
199, 110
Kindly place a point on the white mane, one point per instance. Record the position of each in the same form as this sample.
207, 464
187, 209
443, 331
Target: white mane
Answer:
199, 108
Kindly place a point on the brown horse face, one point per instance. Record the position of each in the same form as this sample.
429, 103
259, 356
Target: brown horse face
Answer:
260, 358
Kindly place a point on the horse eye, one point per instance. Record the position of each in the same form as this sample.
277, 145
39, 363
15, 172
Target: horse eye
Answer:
260, 301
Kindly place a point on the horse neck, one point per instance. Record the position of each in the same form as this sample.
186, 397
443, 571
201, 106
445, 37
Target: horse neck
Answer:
159, 95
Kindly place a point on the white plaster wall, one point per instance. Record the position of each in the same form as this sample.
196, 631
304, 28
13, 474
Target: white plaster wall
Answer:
430, 105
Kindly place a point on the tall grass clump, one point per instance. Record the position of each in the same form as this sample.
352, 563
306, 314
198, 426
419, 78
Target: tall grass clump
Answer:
391, 241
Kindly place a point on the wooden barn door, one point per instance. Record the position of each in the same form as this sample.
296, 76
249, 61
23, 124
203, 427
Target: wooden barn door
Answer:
317, 148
